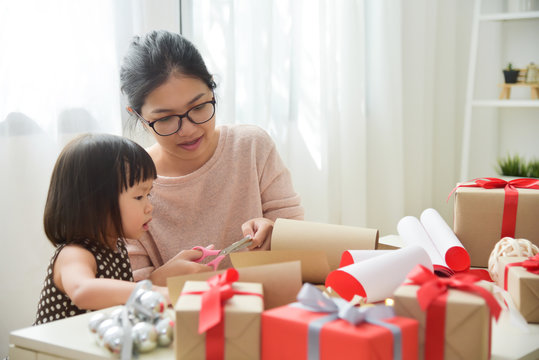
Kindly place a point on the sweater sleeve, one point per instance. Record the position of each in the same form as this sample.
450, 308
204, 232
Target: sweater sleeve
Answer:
279, 200
144, 257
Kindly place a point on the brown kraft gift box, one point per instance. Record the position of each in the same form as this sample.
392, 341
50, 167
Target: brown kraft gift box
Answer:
467, 322
522, 285
242, 320
478, 216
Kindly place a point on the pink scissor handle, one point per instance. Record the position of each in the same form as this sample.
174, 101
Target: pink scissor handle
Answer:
209, 252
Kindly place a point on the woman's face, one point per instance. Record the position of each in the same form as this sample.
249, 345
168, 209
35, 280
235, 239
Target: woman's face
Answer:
179, 94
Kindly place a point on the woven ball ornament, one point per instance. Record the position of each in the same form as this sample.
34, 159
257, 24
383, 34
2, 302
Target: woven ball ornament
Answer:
509, 247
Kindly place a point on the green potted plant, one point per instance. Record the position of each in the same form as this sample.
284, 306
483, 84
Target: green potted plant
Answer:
510, 75
511, 166
517, 167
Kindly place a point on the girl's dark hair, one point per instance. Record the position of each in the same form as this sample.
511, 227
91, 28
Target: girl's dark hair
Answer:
151, 59
88, 178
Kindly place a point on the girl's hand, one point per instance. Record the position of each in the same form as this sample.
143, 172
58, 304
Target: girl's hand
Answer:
260, 230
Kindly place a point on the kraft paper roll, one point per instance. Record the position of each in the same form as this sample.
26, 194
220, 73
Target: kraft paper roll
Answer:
350, 257
332, 239
445, 240
377, 278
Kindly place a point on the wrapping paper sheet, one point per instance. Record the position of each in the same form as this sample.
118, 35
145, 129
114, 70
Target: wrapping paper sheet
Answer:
281, 282
332, 239
314, 264
445, 240
377, 278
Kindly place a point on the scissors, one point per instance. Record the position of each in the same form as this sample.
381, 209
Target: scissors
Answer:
220, 254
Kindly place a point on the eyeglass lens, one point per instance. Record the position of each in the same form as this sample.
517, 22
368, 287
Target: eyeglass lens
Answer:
198, 115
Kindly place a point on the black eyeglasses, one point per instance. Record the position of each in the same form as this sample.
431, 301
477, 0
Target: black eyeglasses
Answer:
171, 124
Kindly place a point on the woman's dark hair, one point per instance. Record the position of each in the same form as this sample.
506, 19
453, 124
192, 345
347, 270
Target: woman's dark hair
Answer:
151, 59
88, 178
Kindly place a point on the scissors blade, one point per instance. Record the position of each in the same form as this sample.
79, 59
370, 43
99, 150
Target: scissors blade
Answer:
237, 246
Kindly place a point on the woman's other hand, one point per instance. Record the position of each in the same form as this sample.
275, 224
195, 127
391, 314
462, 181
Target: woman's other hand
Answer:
260, 230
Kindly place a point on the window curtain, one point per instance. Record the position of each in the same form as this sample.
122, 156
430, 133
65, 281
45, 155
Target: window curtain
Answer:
58, 78
297, 69
363, 98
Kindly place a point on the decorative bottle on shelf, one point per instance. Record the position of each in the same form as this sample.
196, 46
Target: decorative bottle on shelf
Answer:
532, 73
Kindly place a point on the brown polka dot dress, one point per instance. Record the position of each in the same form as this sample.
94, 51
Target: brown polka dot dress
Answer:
54, 305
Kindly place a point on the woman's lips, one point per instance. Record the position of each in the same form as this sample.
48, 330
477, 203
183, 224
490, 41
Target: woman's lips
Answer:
191, 145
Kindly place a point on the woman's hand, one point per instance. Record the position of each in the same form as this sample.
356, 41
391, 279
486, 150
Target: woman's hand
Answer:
260, 230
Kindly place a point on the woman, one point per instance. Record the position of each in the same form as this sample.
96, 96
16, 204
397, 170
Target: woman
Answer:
215, 184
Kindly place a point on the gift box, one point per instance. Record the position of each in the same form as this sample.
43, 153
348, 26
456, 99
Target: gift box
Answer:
241, 318
453, 324
484, 215
297, 332
522, 285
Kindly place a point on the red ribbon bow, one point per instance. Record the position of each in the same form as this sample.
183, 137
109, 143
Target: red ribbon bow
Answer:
511, 198
531, 265
213, 299
432, 297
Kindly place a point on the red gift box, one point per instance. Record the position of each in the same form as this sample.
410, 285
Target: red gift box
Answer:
285, 335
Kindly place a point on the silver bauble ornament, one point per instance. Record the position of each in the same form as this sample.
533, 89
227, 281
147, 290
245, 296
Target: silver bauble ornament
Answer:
144, 337
95, 320
113, 339
165, 330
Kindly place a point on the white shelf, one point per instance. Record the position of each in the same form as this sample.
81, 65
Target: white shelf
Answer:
506, 103
510, 16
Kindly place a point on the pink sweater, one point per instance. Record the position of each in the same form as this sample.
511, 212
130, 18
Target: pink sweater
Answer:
244, 179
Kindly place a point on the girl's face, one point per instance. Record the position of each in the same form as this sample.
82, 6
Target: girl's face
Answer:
136, 209
194, 143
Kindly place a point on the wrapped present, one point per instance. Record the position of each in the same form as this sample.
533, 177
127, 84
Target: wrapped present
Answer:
489, 209
218, 319
454, 314
520, 277
318, 327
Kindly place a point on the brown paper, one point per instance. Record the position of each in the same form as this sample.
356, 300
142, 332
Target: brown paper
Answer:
467, 322
478, 216
242, 323
314, 264
281, 282
332, 239
522, 285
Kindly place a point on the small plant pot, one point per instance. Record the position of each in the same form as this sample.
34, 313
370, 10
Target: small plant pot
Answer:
510, 76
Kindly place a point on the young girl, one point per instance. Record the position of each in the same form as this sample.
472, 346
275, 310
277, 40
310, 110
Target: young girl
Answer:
98, 196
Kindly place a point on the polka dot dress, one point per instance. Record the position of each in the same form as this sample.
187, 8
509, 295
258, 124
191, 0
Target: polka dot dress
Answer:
54, 305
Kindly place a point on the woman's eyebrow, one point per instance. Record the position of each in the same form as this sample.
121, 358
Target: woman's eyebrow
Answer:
191, 102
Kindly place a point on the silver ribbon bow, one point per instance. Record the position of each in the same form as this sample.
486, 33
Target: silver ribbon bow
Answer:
312, 299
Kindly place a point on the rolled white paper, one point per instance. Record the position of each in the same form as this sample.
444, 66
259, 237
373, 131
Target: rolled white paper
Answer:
413, 233
350, 257
444, 239
377, 278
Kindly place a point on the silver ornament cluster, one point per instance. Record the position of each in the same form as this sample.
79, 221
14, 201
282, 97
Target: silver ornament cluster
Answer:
139, 326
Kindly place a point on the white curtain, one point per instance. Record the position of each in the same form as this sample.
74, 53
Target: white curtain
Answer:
363, 98
58, 77
297, 69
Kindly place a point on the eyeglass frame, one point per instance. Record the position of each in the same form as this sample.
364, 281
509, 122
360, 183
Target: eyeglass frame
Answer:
180, 117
